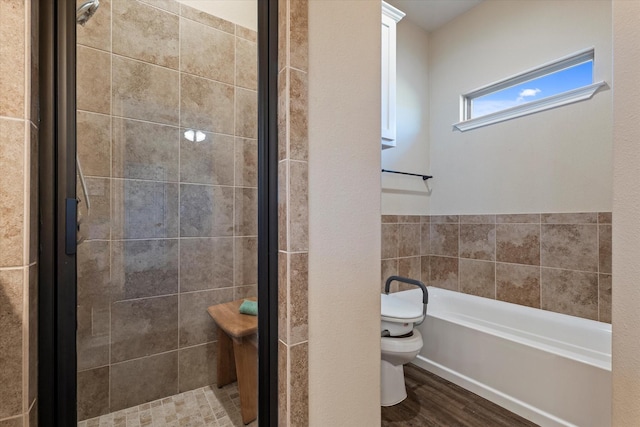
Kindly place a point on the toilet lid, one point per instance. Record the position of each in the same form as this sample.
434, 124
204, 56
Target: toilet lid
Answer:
395, 308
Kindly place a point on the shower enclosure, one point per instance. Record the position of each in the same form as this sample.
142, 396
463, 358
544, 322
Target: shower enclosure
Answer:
173, 167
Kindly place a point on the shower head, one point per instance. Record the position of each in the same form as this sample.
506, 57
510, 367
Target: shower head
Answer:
86, 11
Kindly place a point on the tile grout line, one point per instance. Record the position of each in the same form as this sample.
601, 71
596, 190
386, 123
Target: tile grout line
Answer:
26, 223
458, 257
164, 183
125, 58
495, 258
139, 120
179, 231
234, 231
540, 260
150, 239
12, 417
111, 200
13, 268
25, 343
598, 266
287, 142
235, 153
13, 119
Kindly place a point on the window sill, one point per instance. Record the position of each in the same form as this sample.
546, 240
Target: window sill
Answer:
532, 107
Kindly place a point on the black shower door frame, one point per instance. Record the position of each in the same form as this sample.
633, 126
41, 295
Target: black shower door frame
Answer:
57, 391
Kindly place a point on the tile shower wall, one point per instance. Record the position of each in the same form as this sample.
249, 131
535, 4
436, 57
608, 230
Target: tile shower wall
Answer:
172, 227
18, 213
293, 214
559, 262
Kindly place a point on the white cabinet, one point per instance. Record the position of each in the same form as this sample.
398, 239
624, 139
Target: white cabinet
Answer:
390, 17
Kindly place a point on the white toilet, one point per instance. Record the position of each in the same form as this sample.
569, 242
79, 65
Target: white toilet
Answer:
400, 344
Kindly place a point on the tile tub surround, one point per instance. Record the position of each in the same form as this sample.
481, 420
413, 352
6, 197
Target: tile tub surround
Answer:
553, 261
18, 213
172, 228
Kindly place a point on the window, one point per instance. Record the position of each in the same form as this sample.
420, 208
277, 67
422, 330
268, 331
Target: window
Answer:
559, 83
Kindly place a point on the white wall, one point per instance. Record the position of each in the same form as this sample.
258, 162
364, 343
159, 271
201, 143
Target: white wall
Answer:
555, 161
241, 12
626, 222
404, 195
344, 213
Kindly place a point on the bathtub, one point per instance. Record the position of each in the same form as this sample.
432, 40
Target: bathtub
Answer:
552, 369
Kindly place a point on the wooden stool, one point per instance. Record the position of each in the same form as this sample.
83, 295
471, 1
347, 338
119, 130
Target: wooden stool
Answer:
238, 354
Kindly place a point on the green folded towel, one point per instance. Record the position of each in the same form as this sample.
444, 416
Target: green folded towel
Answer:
249, 307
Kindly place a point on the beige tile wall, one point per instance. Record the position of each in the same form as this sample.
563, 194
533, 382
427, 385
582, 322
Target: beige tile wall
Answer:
173, 222
18, 213
293, 219
559, 262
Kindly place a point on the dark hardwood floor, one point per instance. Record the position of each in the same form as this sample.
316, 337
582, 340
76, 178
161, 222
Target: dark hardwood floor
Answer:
433, 401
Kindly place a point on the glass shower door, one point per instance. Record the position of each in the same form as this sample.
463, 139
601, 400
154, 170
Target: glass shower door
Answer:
167, 149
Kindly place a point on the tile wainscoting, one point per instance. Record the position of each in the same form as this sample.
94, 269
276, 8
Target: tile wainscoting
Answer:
559, 262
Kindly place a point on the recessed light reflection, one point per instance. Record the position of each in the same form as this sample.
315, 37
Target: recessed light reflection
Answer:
195, 135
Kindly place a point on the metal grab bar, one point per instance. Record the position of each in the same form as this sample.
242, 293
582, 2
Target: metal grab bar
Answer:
425, 293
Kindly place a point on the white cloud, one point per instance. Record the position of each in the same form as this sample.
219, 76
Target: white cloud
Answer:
482, 107
527, 93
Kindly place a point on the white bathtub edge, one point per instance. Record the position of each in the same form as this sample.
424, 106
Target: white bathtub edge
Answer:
510, 403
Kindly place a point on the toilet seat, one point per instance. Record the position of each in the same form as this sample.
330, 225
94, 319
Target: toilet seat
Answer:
398, 315
402, 345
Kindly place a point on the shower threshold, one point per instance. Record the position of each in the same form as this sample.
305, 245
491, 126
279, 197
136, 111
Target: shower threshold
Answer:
207, 406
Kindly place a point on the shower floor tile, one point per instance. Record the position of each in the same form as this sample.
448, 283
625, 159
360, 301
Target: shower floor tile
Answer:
208, 406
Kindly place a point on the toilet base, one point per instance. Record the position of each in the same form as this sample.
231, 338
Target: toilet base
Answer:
392, 386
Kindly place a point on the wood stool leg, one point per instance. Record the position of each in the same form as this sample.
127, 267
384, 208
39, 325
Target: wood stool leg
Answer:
226, 360
246, 355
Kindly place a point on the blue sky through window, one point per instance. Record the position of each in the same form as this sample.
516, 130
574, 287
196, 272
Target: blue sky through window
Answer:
539, 88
